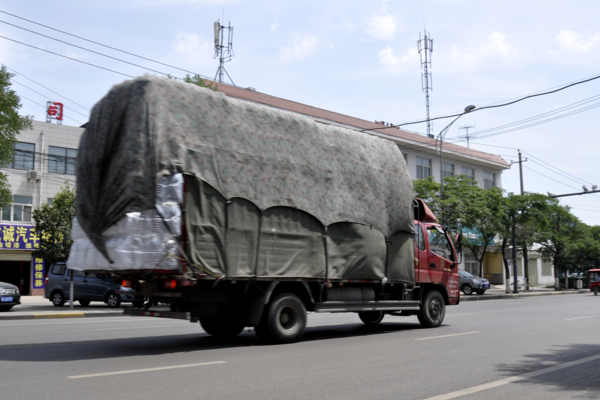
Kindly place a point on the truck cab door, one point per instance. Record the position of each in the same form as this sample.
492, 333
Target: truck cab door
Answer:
440, 253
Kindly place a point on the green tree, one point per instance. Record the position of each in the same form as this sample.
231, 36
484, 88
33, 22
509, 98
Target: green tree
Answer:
11, 122
198, 80
54, 220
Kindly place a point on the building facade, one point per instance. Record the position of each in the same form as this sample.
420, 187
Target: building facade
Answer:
44, 161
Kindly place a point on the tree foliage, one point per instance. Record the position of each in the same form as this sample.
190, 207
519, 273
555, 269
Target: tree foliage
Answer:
540, 223
54, 220
11, 122
198, 80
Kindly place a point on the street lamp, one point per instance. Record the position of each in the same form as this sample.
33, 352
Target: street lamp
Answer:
440, 137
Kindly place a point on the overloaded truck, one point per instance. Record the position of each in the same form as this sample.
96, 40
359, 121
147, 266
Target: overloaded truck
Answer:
236, 214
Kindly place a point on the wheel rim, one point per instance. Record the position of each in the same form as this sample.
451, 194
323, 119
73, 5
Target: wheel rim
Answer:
112, 300
288, 318
467, 289
57, 299
435, 309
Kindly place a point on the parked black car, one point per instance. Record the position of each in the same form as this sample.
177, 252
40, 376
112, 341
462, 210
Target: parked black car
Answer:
9, 296
470, 283
87, 287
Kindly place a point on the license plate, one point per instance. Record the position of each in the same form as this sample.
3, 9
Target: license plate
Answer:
486, 286
6, 299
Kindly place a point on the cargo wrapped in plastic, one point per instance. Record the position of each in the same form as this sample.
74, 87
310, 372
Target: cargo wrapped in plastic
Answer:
139, 241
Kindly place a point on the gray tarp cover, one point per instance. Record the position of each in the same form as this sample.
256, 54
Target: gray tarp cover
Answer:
151, 126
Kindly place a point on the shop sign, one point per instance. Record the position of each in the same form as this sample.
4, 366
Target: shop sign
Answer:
19, 237
39, 273
54, 110
474, 236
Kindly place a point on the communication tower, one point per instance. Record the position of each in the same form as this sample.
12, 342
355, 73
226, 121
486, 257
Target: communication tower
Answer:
223, 50
467, 127
425, 46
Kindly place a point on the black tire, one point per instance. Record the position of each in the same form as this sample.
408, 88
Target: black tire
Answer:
84, 303
595, 290
467, 289
222, 326
58, 299
480, 291
113, 300
5, 308
137, 303
433, 310
371, 317
283, 321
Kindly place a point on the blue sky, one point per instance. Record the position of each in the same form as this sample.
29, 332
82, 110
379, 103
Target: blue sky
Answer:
354, 57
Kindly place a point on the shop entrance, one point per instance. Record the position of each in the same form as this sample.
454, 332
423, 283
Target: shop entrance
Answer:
18, 273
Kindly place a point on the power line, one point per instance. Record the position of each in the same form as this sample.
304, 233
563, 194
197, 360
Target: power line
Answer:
103, 45
546, 176
13, 81
558, 173
83, 48
19, 74
502, 104
42, 105
589, 183
70, 58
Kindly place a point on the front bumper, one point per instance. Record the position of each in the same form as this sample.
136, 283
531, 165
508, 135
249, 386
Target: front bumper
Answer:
15, 299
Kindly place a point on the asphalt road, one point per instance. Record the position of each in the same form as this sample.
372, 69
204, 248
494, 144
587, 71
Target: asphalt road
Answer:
538, 347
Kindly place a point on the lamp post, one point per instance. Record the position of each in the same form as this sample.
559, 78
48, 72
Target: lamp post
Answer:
440, 137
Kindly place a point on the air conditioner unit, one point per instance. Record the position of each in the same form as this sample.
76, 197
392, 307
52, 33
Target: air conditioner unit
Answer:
37, 175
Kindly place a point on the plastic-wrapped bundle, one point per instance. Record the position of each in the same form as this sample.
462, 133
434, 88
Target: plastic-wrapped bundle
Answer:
140, 240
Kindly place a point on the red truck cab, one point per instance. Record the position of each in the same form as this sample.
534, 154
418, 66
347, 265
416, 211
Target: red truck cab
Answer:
436, 258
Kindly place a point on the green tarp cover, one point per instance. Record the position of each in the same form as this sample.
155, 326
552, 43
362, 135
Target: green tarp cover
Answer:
151, 126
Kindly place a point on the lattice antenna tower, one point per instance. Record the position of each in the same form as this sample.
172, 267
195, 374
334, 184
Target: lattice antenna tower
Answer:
425, 46
223, 49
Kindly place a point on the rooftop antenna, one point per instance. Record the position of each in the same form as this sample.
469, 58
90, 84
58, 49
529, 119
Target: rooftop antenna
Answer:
223, 51
467, 127
425, 46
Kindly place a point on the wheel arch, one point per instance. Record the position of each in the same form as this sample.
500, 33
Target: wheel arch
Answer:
440, 287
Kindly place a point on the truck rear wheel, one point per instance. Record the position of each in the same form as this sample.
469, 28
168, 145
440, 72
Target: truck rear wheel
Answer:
222, 326
433, 310
371, 317
283, 321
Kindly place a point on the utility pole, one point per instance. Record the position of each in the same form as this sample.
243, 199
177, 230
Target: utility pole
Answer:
514, 238
467, 127
425, 47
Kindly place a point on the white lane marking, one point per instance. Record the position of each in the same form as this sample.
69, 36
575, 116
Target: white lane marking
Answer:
502, 382
101, 320
588, 316
134, 371
445, 336
132, 327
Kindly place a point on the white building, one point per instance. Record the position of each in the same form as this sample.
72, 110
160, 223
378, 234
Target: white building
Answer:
44, 160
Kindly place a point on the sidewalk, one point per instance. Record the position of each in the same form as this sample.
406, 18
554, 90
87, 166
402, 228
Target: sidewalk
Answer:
498, 292
37, 307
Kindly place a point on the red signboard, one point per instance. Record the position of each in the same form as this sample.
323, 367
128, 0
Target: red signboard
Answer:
54, 110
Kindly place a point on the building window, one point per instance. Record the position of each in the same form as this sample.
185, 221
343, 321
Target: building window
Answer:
471, 265
469, 173
448, 170
19, 211
423, 168
50, 199
24, 156
61, 160
489, 180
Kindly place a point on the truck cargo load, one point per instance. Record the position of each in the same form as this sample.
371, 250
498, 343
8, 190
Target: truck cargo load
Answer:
269, 193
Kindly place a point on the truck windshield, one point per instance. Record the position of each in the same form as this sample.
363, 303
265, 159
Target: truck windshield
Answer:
439, 244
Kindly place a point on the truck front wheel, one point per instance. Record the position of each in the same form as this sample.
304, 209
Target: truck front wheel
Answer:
371, 317
222, 326
284, 321
432, 310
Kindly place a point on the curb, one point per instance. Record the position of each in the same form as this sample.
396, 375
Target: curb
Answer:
74, 314
514, 296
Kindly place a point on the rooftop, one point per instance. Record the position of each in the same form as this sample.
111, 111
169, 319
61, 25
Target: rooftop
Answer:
393, 133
